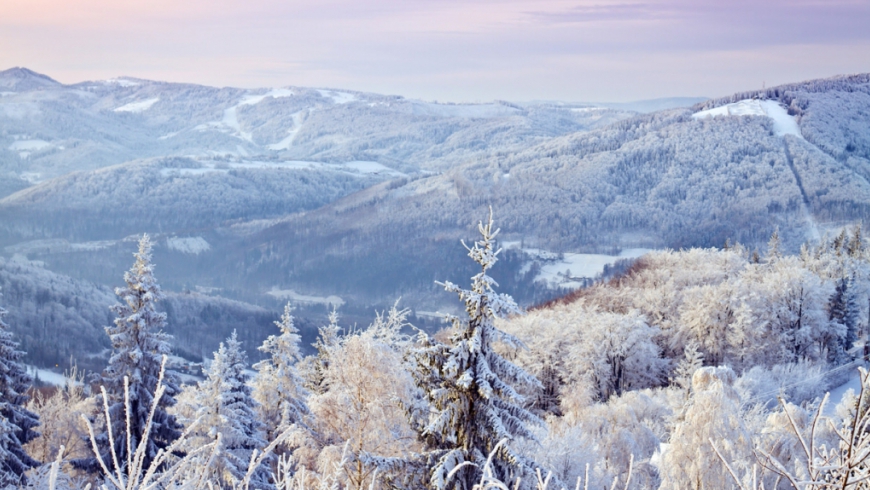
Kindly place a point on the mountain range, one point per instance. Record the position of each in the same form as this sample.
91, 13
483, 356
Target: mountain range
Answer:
334, 197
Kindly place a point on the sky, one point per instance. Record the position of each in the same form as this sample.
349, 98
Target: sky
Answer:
446, 50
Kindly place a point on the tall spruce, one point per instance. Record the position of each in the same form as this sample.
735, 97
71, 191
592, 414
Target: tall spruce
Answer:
473, 405
16, 422
227, 408
278, 387
138, 347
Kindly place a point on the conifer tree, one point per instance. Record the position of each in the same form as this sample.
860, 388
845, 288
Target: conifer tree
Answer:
468, 385
138, 347
773, 247
16, 422
327, 340
227, 408
278, 387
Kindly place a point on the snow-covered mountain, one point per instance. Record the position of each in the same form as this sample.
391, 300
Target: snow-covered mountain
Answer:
364, 198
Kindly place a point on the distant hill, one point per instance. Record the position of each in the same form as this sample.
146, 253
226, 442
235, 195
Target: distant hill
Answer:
310, 194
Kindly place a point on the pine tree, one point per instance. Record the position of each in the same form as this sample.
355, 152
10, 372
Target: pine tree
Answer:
773, 247
473, 406
843, 311
227, 408
327, 340
16, 422
138, 347
279, 387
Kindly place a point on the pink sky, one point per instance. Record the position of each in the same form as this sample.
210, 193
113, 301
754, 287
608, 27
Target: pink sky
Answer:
471, 50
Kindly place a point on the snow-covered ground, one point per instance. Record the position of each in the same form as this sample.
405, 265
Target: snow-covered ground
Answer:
837, 394
783, 123
188, 245
354, 168
140, 106
338, 97
122, 82
571, 268
285, 143
30, 145
47, 376
290, 295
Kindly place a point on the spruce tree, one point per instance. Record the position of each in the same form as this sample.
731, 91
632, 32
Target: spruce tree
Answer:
16, 422
138, 347
279, 387
227, 408
468, 385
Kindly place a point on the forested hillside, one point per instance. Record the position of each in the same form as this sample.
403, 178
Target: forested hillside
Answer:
702, 368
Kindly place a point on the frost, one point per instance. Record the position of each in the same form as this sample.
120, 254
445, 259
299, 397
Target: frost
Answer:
188, 245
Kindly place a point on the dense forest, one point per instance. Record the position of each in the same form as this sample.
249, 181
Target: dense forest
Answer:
700, 368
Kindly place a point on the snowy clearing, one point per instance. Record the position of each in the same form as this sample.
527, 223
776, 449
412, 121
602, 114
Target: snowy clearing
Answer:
356, 168
29, 145
274, 93
287, 142
91, 246
568, 271
337, 97
837, 394
462, 110
588, 109
122, 82
49, 377
188, 245
141, 106
782, 122
290, 295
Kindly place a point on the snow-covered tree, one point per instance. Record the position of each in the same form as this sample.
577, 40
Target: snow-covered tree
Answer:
227, 409
138, 347
473, 405
315, 366
16, 422
278, 387
690, 461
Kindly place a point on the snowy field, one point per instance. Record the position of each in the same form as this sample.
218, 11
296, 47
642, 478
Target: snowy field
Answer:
188, 245
293, 296
570, 270
47, 376
140, 106
783, 123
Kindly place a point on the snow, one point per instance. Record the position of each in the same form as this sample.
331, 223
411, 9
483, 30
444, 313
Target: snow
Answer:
7, 94
338, 97
32, 177
140, 106
122, 82
291, 295
588, 109
188, 245
275, 93
565, 272
462, 110
783, 123
29, 145
356, 168
837, 394
364, 167
430, 314
49, 377
285, 143
91, 246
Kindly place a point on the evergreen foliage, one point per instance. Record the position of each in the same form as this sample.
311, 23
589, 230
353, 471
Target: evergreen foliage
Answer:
138, 347
278, 387
227, 410
16, 422
468, 385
